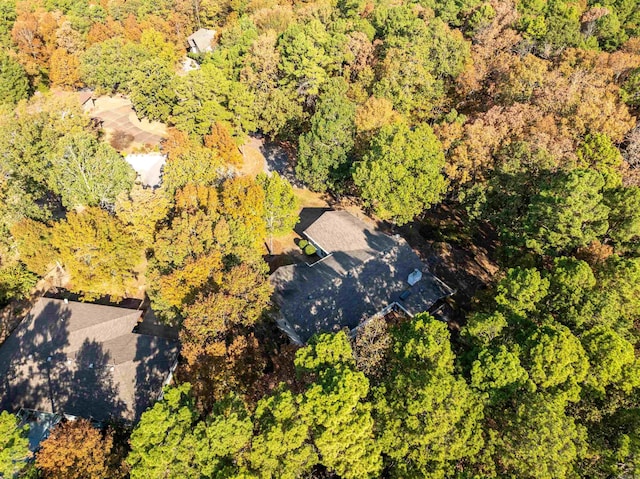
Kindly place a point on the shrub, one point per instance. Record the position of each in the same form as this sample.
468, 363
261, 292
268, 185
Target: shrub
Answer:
310, 250
303, 243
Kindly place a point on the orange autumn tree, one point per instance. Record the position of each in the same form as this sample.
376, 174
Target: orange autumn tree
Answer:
221, 140
217, 336
77, 450
63, 69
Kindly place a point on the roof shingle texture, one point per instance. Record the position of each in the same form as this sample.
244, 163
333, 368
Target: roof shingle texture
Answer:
366, 271
83, 359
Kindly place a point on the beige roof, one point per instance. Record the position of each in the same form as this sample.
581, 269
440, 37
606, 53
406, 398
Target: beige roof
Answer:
341, 231
82, 359
202, 39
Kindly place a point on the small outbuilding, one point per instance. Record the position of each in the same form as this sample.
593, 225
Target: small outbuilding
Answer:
201, 41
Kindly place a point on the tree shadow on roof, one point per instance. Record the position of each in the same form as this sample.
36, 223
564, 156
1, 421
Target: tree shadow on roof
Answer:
40, 370
154, 358
30, 361
93, 391
308, 216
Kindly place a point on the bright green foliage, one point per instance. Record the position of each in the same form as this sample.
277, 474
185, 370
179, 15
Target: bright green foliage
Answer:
14, 446
86, 172
97, 252
111, 65
14, 85
206, 96
7, 17
520, 291
556, 359
449, 10
281, 446
618, 293
163, 444
408, 83
567, 213
152, 92
335, 408
555, 22
276, 107
401, 174
597, 151
571, 285
222, 438
419, 59
235, 41
427, 418
624, 217
610, 355
484, 327
625, 458
280, 204
27, 147
108, 66
539, 441
325, 152
305, 61
610, 32
15, 282
324, 351
341, 423
498, 373
630, 89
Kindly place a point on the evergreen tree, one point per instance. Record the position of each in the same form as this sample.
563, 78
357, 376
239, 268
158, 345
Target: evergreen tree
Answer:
14, 85
325, 152
401, 174
14, 446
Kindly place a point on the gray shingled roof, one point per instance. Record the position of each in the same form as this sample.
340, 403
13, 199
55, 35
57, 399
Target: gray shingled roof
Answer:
349, 286
83, 359
341, 231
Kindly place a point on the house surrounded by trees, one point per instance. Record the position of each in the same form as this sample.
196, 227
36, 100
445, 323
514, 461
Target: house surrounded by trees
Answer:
361, 272
201, 41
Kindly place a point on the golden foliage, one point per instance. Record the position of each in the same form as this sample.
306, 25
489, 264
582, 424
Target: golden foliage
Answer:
77, 450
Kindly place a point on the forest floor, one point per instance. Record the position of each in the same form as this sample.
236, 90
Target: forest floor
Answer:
462, 260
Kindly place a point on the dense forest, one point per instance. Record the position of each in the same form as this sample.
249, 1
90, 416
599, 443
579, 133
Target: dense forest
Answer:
517, 116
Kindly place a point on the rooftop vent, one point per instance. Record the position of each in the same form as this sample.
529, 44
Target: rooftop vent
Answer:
414, 277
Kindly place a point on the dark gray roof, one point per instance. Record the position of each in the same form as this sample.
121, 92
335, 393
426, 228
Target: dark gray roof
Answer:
83, 359
347, 287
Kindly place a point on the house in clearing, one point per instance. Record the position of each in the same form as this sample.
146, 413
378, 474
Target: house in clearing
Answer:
362, 272
201, 41
86, 360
